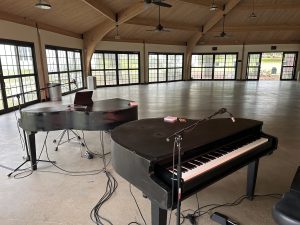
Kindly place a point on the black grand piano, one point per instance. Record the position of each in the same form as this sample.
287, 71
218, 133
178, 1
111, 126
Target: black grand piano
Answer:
102, 115
211, 151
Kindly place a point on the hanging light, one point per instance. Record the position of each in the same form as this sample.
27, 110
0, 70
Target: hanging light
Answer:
253, 15
41, 4
213, 6
117, 37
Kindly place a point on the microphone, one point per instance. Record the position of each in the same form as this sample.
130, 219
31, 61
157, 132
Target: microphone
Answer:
224, 110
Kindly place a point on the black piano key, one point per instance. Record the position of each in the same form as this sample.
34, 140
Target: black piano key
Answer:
183, 170
208, 157
221, 152
215, 154
197, 162
188, 165
202, 159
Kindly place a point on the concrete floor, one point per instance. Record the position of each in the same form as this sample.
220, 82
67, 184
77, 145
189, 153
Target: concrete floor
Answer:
56, 199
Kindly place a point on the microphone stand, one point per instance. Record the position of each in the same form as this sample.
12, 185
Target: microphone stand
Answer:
178, 138
27, 159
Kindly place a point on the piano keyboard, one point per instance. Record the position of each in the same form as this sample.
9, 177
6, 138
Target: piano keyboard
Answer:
210, 160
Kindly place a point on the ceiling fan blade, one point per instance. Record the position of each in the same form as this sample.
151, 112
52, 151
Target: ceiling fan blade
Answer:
152, 30
165, 30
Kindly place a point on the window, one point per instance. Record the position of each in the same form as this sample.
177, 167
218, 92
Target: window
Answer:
253, 68
64, 67
115, 68
165, 67
288, 65
18, 78
214, 66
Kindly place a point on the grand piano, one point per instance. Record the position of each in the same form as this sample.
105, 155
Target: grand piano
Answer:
102, 115
210, 151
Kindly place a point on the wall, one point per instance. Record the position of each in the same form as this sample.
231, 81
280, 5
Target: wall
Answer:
18, 32
242, 65
143, 48
14, 31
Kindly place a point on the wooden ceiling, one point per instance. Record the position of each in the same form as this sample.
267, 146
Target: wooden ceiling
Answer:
277, 21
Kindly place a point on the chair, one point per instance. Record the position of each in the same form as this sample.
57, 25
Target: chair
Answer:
287, 210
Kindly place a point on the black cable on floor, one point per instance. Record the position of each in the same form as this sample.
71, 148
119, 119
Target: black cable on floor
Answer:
137, 205
111, 186
195, 214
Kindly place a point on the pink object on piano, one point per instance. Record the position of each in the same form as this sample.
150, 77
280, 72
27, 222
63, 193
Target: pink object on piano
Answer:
133, 104
170, 119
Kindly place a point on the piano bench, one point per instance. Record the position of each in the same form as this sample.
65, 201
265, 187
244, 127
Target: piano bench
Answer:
287, 210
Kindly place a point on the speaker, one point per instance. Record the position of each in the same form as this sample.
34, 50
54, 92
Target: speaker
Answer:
214, 48
273, 47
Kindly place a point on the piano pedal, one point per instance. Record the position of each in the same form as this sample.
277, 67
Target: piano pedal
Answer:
145, 196
56, 149
222, 219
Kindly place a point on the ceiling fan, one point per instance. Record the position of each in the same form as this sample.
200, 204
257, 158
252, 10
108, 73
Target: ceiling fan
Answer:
223, 34
159, 27
158, 2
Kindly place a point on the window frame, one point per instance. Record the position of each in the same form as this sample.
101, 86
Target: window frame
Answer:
294, 67
68, 71
116, 53
213, 67
167, 67
17, 43
258, 67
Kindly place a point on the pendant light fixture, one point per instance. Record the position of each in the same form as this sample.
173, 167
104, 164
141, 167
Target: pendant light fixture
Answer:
41, 4
253, 15
117, 37
213, 6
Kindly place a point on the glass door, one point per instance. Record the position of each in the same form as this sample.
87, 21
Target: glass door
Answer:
253, 67
288, 69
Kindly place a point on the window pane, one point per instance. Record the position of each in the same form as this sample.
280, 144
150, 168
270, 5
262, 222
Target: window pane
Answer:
123, 61
134, 76
133, 61
171, 61
162, 75
219, 60
100, 78
219, 73
51, 60
111, 77
110, 61
97, 62
153, 61
153, 75
162, 61
207, 60
26, 60
62, 60
196, 73
8, 57
123, 77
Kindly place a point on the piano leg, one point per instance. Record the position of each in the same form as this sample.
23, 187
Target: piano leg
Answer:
251, 178
159, 216
32, 149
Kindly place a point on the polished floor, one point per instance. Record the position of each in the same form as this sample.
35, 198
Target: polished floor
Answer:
52, 197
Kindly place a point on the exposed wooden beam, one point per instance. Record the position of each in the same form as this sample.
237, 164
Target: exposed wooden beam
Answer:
240, 42
92, 37
147, 41
100, 7
198, 2
192, 42
171, 25
257, 28
131, 12
277, 6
